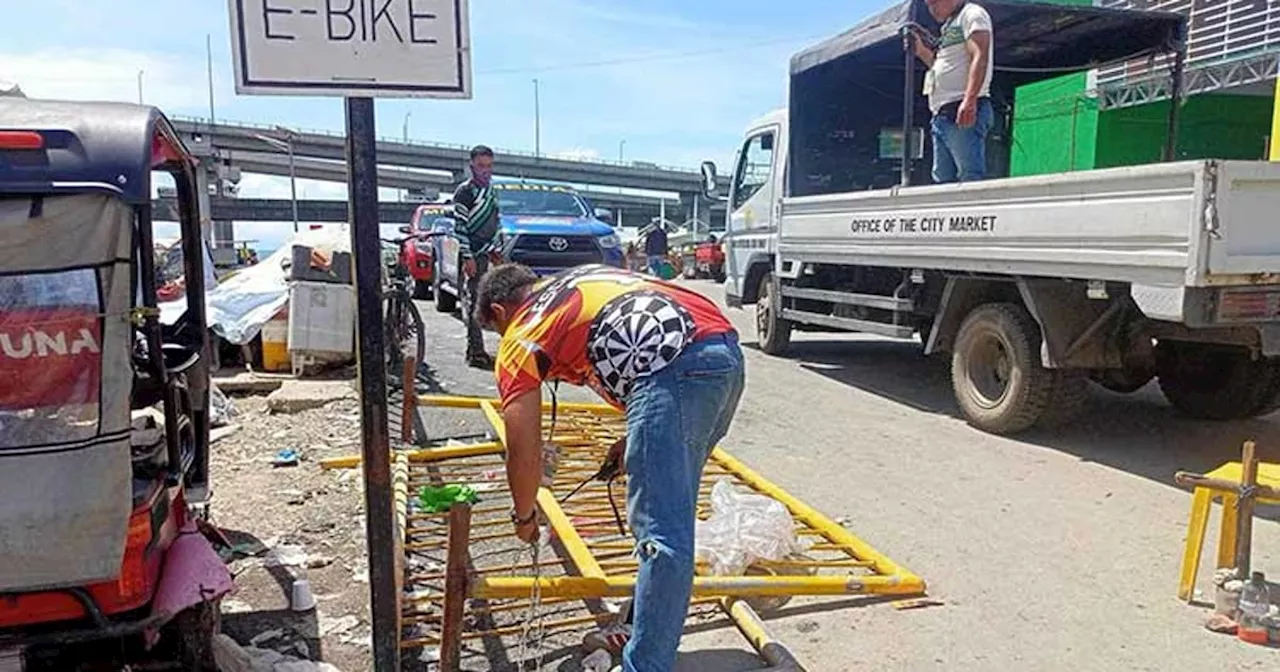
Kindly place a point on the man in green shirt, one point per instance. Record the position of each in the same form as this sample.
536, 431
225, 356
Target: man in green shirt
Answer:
476, 226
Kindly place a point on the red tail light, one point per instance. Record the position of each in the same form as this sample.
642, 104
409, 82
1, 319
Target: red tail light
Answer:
133, 571
21, 140
1254, 305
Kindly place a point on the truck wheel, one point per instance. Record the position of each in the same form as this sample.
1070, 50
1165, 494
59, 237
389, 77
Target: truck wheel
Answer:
1215, 382
1070, 394
1122, 381
422, 290
996, 373
772, 331
445, 302
1269, 398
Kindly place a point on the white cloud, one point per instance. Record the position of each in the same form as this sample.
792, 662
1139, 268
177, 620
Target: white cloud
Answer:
107, 74
576, 154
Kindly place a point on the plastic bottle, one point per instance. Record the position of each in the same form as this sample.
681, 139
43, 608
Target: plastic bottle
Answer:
1255, 605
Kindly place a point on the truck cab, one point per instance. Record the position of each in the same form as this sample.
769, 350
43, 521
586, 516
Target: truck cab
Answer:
754, 200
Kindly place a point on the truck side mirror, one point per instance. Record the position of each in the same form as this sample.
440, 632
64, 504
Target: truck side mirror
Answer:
709, 179
605, 215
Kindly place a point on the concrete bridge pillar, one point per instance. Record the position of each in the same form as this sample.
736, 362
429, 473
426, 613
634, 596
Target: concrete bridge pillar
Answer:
695, 209
212, 177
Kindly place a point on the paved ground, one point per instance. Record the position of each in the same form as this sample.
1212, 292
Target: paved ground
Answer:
1051, 552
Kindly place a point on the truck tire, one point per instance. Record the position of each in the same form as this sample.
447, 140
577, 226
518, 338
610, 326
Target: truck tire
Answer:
1216, 382
772, 331
1269, 398
1122, 381
1069, 396
422, 290
995, 370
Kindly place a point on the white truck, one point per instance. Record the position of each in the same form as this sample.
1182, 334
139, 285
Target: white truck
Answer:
1034, 285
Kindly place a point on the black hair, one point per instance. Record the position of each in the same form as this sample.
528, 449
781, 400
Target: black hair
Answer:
481, 150
502, 285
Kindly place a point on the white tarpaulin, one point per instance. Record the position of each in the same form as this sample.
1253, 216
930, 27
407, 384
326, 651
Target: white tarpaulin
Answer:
239, 306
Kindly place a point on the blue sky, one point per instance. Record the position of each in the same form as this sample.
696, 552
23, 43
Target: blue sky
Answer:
668, 104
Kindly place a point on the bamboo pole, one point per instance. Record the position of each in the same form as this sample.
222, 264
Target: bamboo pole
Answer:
455, 587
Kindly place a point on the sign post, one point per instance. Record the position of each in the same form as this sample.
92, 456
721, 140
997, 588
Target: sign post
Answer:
359, 51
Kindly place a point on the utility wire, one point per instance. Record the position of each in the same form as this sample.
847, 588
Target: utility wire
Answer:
627, 60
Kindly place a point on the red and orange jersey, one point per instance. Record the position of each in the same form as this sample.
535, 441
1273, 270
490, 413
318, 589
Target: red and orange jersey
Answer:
602, 327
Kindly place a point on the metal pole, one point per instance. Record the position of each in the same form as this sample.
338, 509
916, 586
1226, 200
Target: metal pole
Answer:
293, 183
404, 193
208, 55
908, 99
621, 143
140, 87
537, 121
362, 189
1175, 94
696, 224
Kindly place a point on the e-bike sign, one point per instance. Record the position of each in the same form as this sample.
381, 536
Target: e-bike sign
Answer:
352, 48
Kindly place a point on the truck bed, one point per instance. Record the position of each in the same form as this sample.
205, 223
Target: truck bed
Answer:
1192, 223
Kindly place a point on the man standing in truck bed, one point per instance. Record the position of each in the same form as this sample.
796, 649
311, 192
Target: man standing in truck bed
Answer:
476, 226
958, 85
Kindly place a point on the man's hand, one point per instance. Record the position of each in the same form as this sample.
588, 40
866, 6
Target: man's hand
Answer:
967, 114
618, 454
528, 533
920, 43
469, 267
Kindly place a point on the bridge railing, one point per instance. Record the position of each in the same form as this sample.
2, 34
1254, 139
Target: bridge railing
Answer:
228, 123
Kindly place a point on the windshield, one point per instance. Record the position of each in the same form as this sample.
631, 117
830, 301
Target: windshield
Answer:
428, 223
533, 200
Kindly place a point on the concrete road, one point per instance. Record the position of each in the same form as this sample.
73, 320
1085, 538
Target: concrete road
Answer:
1053, 551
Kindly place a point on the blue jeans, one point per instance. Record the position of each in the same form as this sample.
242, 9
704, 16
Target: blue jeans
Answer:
674, 418
960, 154
655, 264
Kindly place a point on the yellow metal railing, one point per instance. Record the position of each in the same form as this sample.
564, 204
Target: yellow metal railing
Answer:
593, 560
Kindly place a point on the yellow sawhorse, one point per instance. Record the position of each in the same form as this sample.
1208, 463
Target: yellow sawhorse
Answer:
1201, 502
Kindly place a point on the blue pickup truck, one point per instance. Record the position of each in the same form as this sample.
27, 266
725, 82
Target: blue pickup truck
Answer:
547, 227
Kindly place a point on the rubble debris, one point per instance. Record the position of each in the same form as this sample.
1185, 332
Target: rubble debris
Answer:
917, 603
220, 433
597, 661
222, 410
231, 657
264, 637
1221, 624
337, 626
248, 382
295, 396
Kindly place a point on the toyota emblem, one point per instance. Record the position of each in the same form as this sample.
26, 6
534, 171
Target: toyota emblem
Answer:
558, 244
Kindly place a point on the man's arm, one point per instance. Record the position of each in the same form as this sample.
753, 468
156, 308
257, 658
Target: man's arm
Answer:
522, 418
462, 204
978, 45
923, 51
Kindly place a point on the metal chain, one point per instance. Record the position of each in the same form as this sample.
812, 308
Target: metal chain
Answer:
529, 631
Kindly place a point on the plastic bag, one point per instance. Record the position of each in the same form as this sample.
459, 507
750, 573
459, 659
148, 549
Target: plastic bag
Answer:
744, 528
222, 408
437, 499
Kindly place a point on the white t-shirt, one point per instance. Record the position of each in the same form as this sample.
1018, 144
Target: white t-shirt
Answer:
949, 76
